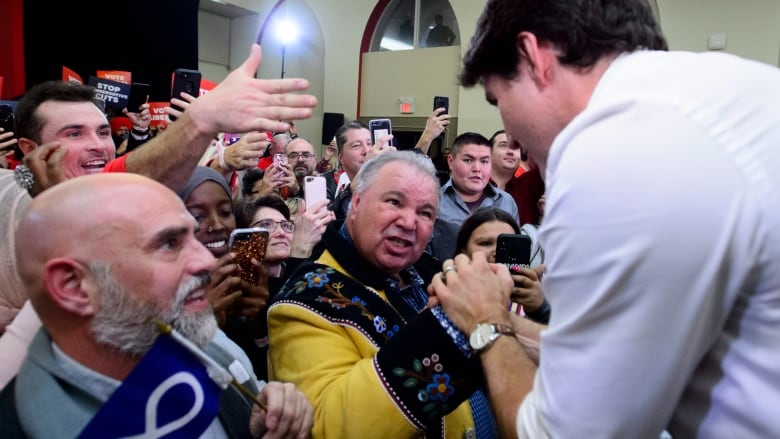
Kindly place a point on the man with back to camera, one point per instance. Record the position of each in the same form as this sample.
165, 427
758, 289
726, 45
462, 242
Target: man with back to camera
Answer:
99, 308
353, 330
665, 284
467, 190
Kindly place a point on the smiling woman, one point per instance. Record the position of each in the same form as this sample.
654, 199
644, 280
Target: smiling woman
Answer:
237, 304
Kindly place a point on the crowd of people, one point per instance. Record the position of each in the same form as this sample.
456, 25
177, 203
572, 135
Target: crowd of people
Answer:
647, 306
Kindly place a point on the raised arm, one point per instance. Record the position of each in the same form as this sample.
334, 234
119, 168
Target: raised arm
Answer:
240, 103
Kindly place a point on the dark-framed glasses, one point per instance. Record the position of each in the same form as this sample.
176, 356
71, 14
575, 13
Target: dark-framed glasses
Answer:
271, 225
296, 155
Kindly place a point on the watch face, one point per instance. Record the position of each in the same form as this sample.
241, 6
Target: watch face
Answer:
482, 336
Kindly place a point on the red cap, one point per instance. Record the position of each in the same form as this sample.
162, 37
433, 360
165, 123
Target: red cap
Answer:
120, 121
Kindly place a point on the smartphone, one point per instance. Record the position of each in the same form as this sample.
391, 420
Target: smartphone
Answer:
280, 160
314, 190
513, 250
379, 128
441, 102
139, 94
184, 80
247, 244
6, 118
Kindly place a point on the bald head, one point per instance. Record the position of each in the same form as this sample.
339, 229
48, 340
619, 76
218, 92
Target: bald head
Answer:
85, 219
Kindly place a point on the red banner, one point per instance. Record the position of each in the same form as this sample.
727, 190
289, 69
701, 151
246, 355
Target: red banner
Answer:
71, 76
206, 86
158, 113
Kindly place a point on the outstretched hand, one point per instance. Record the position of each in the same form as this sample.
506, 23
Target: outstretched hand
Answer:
243, 103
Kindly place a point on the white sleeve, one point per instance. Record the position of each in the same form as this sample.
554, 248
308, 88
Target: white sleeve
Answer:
16, 340
634, 247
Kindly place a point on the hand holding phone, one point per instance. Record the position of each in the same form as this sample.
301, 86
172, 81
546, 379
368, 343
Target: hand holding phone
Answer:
247, 244
314, 190
441, 102
184, 80
380, 128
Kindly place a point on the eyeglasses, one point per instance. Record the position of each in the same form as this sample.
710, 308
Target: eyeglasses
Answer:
271, 225
296, 155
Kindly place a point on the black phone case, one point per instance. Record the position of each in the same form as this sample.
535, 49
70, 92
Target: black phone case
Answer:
184, 80
139, 92
441, 102
6, 118
513, 250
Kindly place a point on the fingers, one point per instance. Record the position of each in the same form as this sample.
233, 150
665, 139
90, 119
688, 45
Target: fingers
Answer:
252, 63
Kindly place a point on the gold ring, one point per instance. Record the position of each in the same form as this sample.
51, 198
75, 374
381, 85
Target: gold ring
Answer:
449, 268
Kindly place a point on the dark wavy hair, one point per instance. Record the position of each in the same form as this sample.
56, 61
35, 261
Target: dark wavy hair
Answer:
583, 30
28, 124
481, 216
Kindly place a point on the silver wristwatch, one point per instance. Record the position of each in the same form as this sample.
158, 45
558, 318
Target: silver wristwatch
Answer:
485, 334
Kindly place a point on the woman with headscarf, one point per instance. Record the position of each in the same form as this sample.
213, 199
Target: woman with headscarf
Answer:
237, 303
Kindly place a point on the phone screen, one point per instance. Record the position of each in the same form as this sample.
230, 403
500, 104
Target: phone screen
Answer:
513, 250
247, 244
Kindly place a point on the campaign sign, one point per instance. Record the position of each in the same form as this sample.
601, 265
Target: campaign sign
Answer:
113, 93
70, 76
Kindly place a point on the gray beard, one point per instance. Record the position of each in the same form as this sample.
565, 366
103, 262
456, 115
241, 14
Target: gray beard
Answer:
127, 324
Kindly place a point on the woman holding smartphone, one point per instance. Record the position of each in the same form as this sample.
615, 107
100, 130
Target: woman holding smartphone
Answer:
237, 304
479, 232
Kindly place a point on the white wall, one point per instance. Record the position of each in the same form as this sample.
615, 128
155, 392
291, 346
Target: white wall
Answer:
224, 44
752, 27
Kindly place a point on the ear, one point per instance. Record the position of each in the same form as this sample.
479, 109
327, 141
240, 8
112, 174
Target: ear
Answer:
449, 160
353, 205
26, 145
71, 285
540, 57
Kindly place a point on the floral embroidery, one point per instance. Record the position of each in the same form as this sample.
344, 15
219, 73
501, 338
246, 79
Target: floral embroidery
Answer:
434, 388
314, 279
322, 278
440, 389
379, 324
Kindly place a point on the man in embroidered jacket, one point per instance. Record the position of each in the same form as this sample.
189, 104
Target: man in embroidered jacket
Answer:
353, 332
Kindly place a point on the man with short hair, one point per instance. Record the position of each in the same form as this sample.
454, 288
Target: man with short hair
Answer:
505, 159
664, 283
300, 154
353, 332
526, 187
101, 283
353, 140
467, 190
